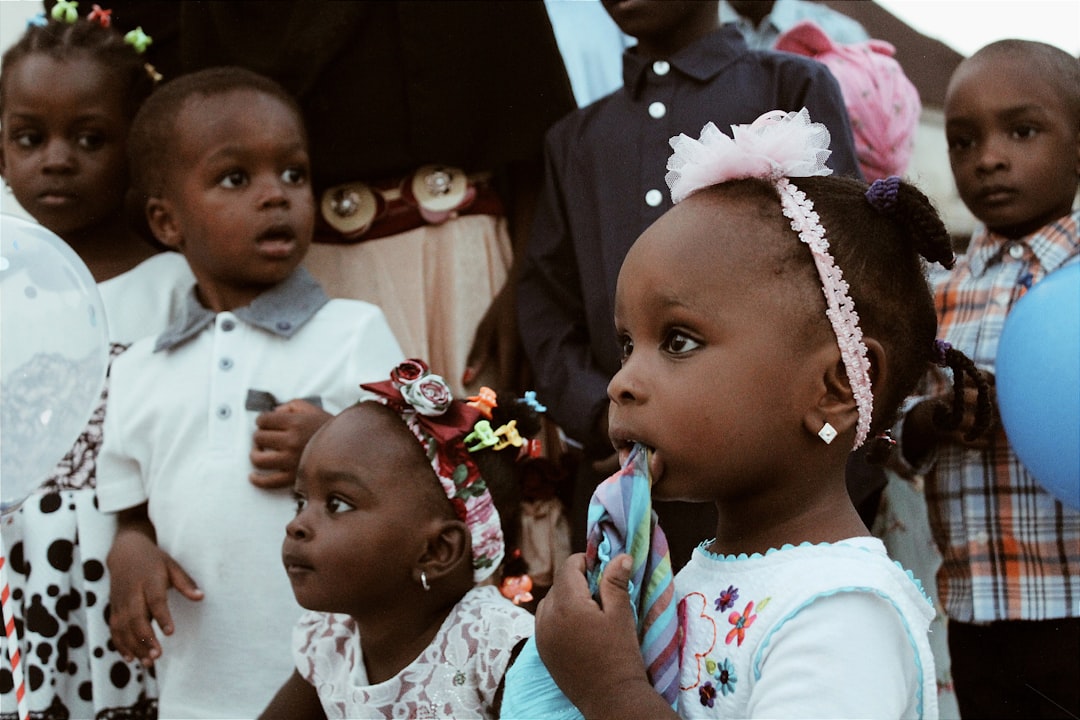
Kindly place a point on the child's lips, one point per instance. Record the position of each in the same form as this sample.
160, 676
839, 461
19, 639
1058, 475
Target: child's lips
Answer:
277, 242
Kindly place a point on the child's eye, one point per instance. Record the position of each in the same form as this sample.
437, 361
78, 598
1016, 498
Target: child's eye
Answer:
959, 142
27, 138
300, 501
337, 505
91, 141
233, 179
1024, 132
626, 346
678, 342
294, 176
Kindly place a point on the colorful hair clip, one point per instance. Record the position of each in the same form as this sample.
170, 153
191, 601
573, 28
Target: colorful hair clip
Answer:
510, 436
484, 401
101, 16
138, 39
941, 350
152, 72
530, 400
482, 436
65, 11
517, 588
882, 194
38, 20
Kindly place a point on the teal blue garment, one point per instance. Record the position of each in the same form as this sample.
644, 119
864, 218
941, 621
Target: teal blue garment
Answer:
621, 520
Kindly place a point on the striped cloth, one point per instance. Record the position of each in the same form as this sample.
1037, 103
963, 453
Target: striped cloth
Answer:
621, 520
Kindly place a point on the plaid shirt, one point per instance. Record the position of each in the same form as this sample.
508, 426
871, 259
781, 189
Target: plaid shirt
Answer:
1010, 550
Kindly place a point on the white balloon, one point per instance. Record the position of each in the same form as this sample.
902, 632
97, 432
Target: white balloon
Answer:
54, 353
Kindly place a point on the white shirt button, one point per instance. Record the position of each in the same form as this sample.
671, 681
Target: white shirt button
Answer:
225, 363
661, 67
224, 412
1016, 251
657, 110
654, 197
228, 325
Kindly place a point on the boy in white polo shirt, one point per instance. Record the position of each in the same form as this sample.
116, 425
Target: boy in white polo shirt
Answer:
198, 452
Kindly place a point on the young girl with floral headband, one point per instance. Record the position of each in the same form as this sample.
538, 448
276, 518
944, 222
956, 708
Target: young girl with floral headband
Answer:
405, 507
770, 322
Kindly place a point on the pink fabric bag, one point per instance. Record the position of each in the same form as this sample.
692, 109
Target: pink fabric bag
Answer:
881, 101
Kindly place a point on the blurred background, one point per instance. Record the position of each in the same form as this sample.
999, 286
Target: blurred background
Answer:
930, 36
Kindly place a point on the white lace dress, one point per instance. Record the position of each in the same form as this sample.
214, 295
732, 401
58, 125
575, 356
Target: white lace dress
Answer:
456, 676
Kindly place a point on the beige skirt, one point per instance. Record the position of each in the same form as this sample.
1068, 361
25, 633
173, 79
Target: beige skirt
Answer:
434, 284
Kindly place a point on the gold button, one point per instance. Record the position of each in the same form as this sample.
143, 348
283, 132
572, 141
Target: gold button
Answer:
349, 208
439, 188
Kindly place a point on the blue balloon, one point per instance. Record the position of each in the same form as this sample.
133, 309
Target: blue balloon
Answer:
1038, 382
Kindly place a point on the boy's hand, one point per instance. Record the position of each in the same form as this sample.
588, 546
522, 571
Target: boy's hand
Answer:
280, 437
573, 631
140, 577
921, 434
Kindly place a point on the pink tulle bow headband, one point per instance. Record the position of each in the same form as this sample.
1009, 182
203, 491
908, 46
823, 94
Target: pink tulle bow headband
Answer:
777, 146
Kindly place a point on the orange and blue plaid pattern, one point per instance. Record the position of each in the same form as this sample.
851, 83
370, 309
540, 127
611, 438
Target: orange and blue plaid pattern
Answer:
1010, 550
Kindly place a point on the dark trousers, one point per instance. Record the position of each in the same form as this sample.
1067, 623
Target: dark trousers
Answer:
1016, 669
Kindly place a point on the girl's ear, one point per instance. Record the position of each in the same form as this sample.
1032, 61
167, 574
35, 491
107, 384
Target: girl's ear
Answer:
448, 548
836, 404
162, 221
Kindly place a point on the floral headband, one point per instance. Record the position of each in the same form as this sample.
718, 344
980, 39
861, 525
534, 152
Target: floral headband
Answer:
449, 431
775, 147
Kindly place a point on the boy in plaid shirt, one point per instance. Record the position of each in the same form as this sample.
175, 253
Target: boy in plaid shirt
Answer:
1010, 578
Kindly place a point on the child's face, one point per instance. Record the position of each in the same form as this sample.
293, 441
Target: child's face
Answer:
718, 336
238, 201
64, 134
1013, 145
365, 497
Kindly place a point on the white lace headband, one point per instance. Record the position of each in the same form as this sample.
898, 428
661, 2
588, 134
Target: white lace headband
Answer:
775, 147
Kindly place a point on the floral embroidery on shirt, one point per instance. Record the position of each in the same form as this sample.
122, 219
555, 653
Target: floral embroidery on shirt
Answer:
708, 694
694, 608
741, 621
724, 674
727, 598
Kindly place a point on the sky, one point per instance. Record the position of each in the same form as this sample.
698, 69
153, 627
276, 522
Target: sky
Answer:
967, 25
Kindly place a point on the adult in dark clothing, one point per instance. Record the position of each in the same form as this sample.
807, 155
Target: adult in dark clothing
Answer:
604, 184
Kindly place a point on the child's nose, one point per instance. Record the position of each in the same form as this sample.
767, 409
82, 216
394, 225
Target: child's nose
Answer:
992, 156
296, 529
59, 156
625, 386
272, 193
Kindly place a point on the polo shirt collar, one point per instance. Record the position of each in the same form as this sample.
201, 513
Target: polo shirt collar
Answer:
701, 60
1051, 245
282, 310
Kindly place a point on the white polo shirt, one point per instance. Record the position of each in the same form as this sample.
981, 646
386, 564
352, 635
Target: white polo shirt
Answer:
177, 435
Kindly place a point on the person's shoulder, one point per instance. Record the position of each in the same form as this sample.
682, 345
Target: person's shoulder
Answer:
488, 606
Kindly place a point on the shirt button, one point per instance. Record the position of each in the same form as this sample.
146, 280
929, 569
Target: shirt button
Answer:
654, 197
657, 110
1016, 251
224, 412
284, 325
661, 67
228, 325
225, 363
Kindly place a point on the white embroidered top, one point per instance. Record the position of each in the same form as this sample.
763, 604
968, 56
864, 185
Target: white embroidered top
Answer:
829, 630
456, 676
